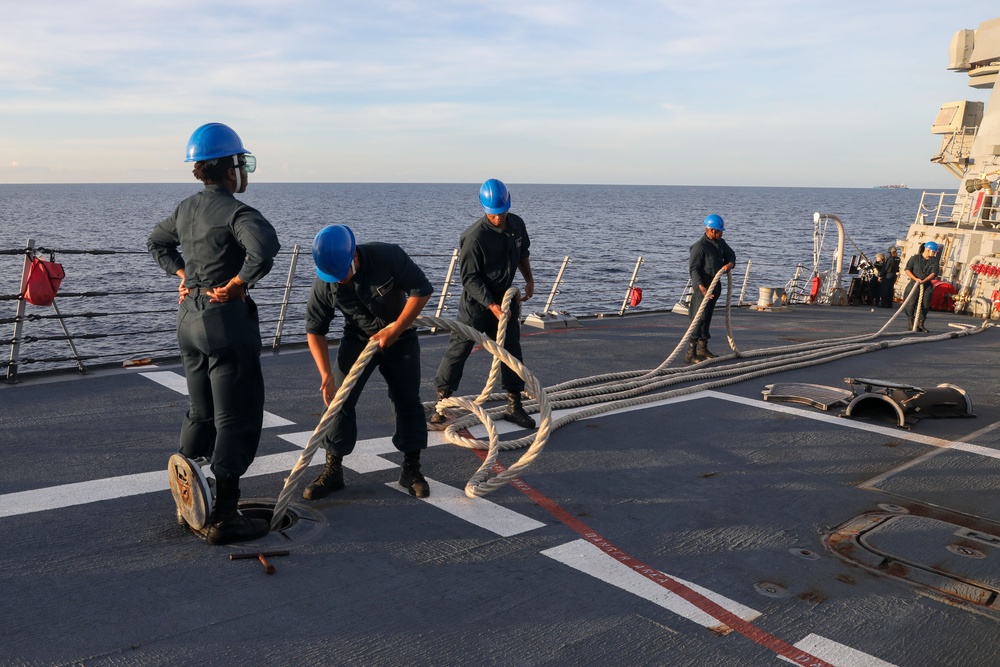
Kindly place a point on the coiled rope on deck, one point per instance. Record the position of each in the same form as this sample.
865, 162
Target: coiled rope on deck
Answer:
614, 391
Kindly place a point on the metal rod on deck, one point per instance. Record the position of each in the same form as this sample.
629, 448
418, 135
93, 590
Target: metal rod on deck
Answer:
447, 284
286, 298
555, 287
631, 284
15, 345
743, 289
69, 338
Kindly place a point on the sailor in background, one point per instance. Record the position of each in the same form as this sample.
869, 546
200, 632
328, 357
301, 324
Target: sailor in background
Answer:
921, 269
219, 247
887, 278
380, 291
708, 255
491, 251
875, 282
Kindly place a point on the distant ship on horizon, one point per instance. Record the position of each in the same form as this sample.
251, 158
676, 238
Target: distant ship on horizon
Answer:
901, 186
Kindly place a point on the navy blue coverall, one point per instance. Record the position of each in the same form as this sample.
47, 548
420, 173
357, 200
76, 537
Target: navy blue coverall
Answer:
214, 237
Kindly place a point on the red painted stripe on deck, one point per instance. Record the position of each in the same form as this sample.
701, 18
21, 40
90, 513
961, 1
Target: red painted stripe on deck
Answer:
724, 616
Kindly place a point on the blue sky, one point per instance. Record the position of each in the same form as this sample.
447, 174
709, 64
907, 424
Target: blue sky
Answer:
776, 92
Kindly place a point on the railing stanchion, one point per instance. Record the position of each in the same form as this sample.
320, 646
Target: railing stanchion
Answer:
631, 284
69, 338
447, 284
15, 345
276, 345
555, 286
743, 289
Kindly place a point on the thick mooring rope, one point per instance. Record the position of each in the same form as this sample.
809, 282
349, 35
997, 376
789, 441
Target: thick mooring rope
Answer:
614, 391
481, 481
605, 393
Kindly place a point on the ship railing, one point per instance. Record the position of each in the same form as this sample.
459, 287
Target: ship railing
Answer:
954, 209
115, 307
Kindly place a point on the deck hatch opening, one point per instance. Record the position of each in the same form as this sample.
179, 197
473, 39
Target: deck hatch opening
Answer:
264, 509
298, 526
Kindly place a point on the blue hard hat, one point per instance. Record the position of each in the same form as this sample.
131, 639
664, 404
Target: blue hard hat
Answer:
213, 140
333, 251
933, 247
715, 222
494, 196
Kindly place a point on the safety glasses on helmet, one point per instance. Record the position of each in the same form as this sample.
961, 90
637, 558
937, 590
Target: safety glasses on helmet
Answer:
249, 163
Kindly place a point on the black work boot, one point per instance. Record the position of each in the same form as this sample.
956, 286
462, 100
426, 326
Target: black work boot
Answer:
439, 420
515, 411
703, 351
228, 524
691, 356
921, 328
330, 480
411, 479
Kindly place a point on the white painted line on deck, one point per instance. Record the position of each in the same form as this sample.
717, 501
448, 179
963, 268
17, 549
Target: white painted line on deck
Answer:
81, 493
365, 458
477, 511
837, 654
583, 556
111, 488
367, 454
860, 426
178, 383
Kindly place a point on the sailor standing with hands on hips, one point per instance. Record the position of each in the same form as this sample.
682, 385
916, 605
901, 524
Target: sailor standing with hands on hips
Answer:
218, 247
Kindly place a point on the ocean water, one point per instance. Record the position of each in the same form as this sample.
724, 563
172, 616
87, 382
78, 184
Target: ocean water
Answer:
603, 229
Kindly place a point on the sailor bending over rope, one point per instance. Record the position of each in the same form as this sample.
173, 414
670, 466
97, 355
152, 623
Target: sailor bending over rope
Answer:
380, 292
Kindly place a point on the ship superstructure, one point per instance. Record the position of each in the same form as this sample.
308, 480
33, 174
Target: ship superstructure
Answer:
966, 223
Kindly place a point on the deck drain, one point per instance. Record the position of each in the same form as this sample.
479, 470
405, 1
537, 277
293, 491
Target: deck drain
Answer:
804, 553
771, 590
298, 526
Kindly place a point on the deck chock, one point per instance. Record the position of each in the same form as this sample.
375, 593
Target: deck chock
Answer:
901, 404
551, 320
191, 491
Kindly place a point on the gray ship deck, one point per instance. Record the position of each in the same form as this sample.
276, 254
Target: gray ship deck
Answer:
729, 496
